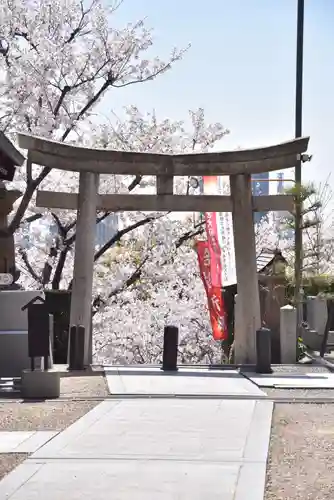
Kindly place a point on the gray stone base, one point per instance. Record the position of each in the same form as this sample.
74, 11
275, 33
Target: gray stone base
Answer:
13, 352
313, 339
39, 384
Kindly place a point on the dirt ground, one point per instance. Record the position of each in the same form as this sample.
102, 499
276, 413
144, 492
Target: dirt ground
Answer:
301, 459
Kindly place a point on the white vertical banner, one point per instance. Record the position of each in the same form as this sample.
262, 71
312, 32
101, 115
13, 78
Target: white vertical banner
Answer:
220, 185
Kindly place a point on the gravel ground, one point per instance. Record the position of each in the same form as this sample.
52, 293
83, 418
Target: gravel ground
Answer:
8, 462
301, 465
49, 415
299, 393
299, 369
84, 386
54, 415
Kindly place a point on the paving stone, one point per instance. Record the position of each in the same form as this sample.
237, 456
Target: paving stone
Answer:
185, 381
306, 381
11, 440
23, 442
126, 480
197, 429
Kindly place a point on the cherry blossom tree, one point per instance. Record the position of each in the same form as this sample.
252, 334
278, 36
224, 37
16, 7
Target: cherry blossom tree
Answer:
58, 61
169, 292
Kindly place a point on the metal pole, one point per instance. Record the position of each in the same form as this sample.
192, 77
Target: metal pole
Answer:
298, 172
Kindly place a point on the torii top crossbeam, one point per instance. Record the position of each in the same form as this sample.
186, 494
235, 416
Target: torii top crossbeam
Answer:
101, 161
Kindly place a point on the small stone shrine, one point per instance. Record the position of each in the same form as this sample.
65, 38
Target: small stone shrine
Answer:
10, 158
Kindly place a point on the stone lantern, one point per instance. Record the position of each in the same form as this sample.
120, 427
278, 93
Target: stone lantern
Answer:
10, 158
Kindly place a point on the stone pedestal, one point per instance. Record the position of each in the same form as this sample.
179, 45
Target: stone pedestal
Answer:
288, 338
317, 313
39, 384
272, 298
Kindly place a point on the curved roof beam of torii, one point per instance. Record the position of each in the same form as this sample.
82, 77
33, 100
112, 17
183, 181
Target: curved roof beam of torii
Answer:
67, 157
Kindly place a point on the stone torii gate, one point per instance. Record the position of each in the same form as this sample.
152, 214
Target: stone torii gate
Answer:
238, 165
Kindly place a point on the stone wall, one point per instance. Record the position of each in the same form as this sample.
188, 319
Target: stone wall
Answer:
14, 331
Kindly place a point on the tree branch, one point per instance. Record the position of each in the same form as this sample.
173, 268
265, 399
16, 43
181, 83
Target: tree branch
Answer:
61, 228
63, 93
26, 37
188, 236
29, 170
135, 276
46, 273
136, 181
89, 104
26, 198
117, 237
59, 268
32, 218
64, 252
81, 24
29, 267
131, 280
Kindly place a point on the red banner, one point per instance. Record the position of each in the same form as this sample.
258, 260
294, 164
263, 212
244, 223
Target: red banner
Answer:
214, 247
209, 260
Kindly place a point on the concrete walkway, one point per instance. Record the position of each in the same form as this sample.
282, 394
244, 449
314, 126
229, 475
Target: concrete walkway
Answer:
24, 442
153, 448
196, 382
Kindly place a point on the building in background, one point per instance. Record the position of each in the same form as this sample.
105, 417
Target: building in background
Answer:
280, 218
260, 187
106, 229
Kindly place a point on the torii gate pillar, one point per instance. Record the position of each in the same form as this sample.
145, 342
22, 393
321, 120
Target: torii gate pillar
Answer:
81, 301
247, 279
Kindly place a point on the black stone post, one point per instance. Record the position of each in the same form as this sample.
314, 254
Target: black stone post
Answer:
77, 343
171, 340
263, 350
38, 331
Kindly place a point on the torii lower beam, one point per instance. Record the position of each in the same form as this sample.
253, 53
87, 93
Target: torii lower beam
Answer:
163, 203
241, 203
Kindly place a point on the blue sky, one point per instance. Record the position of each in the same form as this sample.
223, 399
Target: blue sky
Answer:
241, 69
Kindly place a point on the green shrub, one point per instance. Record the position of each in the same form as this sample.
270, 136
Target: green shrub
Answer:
322, 284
